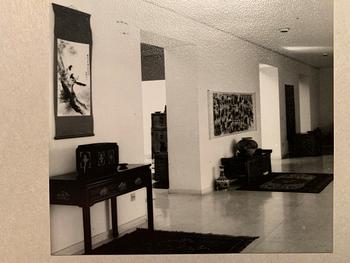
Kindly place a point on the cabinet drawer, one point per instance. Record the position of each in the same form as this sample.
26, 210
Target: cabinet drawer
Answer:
64, 193
102, 192
108, 189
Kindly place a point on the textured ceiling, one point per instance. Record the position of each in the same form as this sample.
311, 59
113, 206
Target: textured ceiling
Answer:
259, 21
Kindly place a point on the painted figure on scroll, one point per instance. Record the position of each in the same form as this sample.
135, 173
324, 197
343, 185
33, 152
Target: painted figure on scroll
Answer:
68, 80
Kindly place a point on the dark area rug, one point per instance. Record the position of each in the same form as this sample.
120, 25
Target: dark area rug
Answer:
291, 182
144, 241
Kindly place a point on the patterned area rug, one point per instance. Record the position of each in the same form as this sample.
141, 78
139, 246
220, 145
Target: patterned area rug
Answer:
144, 241
291, 182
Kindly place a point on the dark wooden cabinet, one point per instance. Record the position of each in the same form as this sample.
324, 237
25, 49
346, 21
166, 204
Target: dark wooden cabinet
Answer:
160, 149
161, 169
251, 168
159, 141
159, 120
70, 189
159, 133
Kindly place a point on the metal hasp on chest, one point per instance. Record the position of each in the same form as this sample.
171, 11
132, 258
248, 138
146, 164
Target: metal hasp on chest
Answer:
69, 189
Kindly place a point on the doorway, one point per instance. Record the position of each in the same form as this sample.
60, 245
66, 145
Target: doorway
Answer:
154, 113
290, 112
290, 117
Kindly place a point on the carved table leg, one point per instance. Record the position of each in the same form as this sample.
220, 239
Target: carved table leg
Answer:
87, 230
149, 201
114, 216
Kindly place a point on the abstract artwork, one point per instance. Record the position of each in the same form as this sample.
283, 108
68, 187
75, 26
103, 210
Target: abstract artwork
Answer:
231, 113
72, 85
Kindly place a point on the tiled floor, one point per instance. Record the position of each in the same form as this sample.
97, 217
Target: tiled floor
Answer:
284, 222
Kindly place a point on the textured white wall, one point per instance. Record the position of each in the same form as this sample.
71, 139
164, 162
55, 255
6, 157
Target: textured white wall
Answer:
270, 110
182, 117
304, 104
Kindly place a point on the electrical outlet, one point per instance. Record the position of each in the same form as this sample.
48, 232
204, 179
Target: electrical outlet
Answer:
132, 197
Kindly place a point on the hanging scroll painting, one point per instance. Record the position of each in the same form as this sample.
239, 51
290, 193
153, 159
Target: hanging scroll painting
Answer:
73, 76
73, 91
231, 113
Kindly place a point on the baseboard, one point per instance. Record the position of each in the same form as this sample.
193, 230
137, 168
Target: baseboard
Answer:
191, 192
184, 191
100, 239
207, 190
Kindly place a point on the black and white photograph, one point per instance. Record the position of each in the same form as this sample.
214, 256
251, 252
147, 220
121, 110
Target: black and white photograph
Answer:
73, 70
163, 130
271, 139
222, 141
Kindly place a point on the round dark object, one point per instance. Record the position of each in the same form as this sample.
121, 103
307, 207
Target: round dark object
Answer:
247, 146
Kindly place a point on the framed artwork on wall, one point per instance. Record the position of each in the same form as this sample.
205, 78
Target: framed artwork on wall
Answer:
231, 113
72, 73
